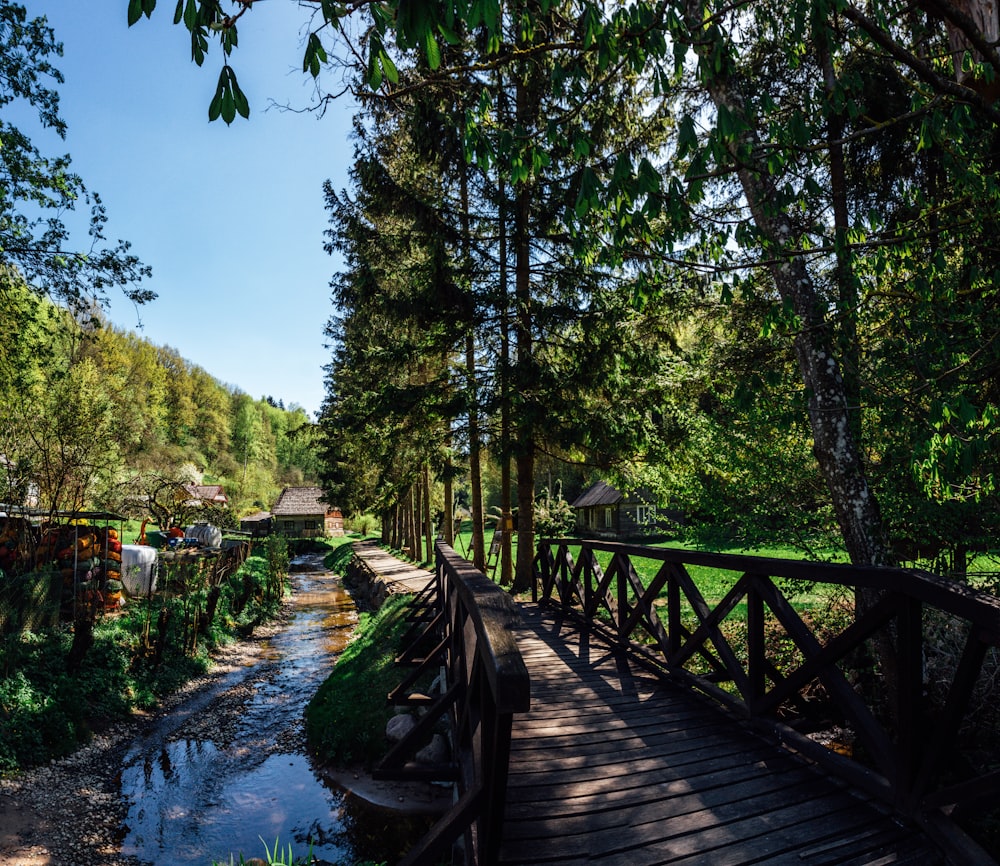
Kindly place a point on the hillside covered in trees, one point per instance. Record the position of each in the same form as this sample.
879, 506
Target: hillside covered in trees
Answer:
95, 417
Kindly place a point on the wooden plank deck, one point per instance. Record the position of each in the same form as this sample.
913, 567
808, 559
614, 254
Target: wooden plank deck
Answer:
614, 766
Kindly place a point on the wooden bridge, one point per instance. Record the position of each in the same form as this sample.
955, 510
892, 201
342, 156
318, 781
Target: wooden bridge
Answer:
619, 718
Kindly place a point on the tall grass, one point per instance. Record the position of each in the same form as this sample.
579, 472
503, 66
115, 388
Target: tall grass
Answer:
346, 719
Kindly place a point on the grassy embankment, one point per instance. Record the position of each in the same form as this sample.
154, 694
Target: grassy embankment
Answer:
346, 719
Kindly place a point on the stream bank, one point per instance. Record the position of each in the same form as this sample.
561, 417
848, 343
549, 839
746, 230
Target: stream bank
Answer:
109, 803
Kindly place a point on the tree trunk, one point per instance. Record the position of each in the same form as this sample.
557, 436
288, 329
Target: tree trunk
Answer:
507, 520
83, 639
428, 526
418, 548
448, 530
835, 447
527, 104
475, 460
472, 391
408, 523
847, 293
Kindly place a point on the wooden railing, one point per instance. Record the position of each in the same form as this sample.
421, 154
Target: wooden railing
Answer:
464, 625
766, 666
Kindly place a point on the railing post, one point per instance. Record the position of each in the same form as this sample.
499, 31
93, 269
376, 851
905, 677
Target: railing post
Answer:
673, 612
487, 684
621, 561
756, 649
909, 709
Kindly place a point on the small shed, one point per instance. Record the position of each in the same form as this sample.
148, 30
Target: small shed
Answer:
257, 524
604, 511
301, 512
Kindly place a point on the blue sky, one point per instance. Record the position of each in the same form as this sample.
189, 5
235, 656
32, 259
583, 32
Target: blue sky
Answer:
231, 219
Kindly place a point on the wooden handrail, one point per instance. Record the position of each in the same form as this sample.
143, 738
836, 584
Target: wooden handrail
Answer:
667, 621
487, 683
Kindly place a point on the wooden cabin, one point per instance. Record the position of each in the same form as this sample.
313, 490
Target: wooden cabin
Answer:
301, 513
197, 495
257, 524
605, 512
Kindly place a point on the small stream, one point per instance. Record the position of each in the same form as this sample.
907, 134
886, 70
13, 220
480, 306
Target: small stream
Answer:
193, 800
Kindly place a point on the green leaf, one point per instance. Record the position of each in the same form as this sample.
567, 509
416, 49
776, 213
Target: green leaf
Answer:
450, 36
239, 97
388, 67
215, 106
190, 14
179, 12
374, 78
228, 106
332, 11
134, 11
589, 192
649, 178
622, 171
433, 51
315, 55
148, 6
687, 138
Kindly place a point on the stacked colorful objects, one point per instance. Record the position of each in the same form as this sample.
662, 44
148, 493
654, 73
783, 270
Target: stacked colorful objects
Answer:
89, 560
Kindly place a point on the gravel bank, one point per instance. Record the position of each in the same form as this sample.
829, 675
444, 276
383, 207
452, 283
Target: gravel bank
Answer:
70, 812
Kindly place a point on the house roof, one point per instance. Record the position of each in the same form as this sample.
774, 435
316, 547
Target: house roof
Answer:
300, 500
256, 517
601, 493
206, 493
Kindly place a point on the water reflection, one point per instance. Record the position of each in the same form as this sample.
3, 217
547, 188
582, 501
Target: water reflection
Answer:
193, 800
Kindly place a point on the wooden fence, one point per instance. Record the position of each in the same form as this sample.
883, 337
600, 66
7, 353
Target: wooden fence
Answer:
788, 672
468, 622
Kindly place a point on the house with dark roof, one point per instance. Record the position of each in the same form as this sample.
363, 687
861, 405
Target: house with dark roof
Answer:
604, 511
301, 512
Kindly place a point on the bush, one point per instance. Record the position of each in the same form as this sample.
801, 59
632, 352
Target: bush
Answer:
143, 652
361, 524
554, 516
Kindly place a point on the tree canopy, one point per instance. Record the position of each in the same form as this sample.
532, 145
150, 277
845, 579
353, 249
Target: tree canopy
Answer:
799, 195
37, 190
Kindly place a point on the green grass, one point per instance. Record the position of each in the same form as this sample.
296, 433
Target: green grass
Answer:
340, 554
346, 719
713, 583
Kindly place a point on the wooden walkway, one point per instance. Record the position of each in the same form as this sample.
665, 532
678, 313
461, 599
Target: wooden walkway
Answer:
394, 575
614, 766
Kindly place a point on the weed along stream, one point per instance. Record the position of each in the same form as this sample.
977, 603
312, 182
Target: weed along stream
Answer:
230, 769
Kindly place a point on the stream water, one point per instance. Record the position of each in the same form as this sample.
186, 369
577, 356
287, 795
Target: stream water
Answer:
195, 800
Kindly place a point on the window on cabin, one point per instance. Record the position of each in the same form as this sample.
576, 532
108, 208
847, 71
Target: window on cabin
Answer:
645, 514
608, 518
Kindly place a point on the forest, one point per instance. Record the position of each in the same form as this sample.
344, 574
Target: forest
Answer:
743, 257
739, 255
96, 417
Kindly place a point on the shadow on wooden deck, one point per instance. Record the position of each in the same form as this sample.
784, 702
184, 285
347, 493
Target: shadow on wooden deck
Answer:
613, 765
